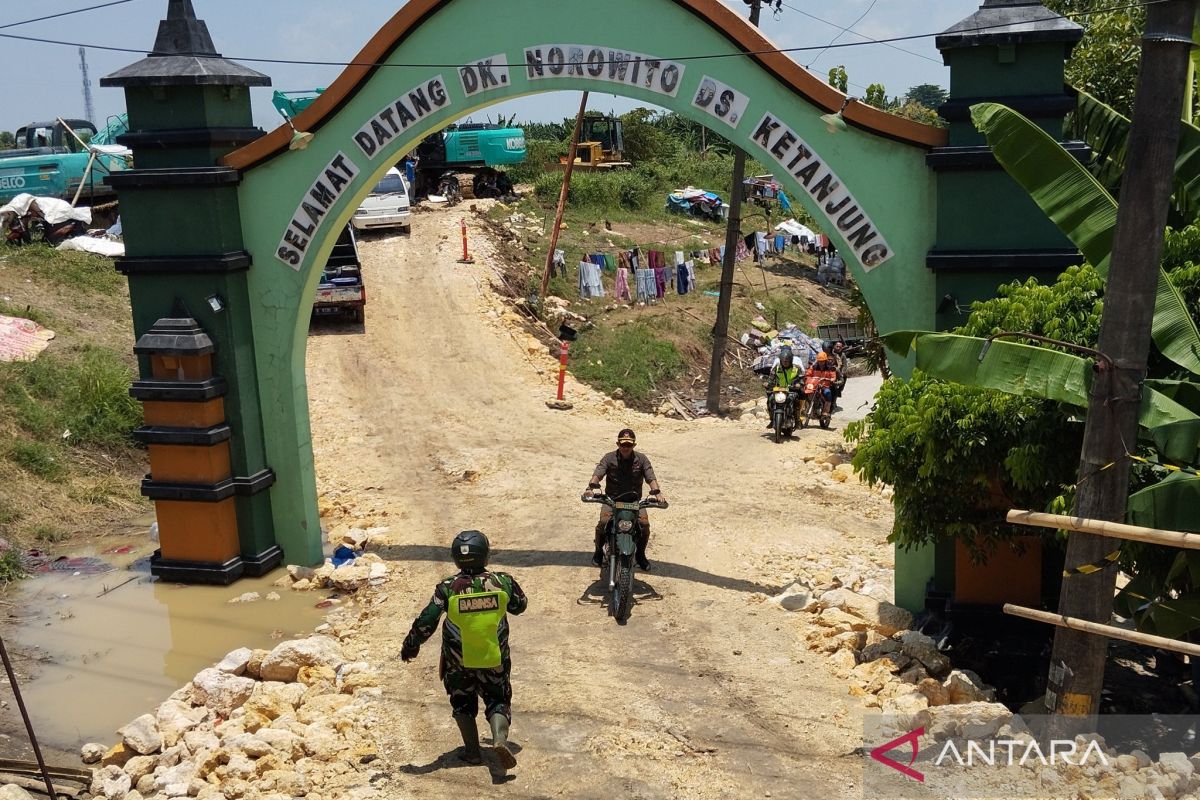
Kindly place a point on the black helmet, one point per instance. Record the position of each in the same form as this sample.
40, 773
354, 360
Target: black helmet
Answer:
626, 436
785, 357
470, 551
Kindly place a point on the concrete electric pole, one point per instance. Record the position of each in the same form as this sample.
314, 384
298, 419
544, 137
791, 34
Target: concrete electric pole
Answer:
732, 234
1078, 659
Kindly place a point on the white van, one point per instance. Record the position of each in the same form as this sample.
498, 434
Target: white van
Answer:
387, 206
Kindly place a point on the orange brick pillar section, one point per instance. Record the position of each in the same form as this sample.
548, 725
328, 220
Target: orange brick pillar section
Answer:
191, 480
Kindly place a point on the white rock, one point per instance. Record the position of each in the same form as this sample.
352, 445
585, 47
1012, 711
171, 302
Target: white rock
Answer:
1177, 763
969, 720
92, 752
250, 744
138, 766
1143, 760
299, 573
13, 792
322, 741
174, 781
350, 577
198, 740
111, 783
235, 661
966, 686
174, 719
272, 596
220, 691
142, 735
247, 597
282, 663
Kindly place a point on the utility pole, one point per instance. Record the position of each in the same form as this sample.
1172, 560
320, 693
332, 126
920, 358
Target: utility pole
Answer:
89, 108
1078, 659
732, 233
562, 194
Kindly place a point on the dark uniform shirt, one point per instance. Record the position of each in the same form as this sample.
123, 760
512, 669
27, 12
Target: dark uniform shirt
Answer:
624, 476
462, 583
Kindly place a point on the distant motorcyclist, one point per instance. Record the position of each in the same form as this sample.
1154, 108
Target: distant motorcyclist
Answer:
624, 471
841, 363
475, 659
787, 375
825, 375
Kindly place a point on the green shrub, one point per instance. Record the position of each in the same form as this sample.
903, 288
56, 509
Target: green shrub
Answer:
37, 459
85, 392
11, 568
629, 357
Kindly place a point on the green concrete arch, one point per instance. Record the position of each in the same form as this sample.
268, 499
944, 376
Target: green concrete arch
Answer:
868, 186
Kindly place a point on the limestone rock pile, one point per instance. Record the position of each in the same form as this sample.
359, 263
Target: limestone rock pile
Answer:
259, 725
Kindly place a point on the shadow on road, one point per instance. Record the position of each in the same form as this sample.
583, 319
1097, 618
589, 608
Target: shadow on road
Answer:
575, 558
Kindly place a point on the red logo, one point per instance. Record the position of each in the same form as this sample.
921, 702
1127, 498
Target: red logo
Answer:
911, 738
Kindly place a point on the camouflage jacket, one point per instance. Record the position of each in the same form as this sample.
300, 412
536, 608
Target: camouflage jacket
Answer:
426, 622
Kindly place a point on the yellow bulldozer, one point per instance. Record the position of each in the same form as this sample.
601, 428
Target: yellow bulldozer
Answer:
601, 146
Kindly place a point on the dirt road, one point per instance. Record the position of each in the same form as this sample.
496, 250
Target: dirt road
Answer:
433, 419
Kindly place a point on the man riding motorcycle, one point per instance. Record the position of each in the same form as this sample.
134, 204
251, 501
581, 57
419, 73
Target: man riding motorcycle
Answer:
624, 471
786, 375
841, 363
825, 376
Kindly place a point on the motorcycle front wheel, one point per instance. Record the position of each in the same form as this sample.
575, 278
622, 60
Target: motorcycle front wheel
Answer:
622, 596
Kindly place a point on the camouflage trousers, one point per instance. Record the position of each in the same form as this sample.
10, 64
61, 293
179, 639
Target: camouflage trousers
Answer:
465, 686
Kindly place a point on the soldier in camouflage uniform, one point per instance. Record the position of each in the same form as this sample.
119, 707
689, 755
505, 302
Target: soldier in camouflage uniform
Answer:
475, 660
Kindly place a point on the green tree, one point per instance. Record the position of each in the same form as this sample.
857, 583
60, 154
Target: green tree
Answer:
929, 95
838, 78
876, 96
1105, 62
7, 140
644, 139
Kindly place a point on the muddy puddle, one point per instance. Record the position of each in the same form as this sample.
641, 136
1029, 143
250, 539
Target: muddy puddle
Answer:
105, 647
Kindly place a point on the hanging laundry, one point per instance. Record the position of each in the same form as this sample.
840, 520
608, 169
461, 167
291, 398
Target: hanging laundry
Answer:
760, 244
660, 282
646, 289
669, 276
679, 259
683, 277
780, 242
609, 262
559, 265
621, 290
742, 252
589, 280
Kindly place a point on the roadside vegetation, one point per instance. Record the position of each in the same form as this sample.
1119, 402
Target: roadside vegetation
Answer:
68, 466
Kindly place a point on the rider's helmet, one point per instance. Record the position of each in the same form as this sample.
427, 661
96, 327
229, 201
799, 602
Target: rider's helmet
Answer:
470, 551
785, 357
822, 358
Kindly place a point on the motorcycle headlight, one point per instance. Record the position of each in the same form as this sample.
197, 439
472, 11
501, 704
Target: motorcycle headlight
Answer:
780, 397
625, 525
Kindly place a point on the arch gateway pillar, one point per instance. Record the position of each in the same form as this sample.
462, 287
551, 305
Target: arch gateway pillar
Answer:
226, 228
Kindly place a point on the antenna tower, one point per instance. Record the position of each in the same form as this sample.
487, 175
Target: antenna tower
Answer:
89, 109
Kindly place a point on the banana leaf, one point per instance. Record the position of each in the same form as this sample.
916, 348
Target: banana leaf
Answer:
1107, 133
1008, 366
1085, 213
1172, 504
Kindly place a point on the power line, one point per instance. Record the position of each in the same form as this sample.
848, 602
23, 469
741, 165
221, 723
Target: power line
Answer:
833, 41
856, 33
704, 57
64, 14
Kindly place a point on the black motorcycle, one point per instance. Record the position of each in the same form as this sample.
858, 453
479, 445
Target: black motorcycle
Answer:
620, 548
781, 405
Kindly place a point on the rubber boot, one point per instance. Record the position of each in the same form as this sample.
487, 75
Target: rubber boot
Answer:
504, 754
598, 555
470, 737
640, 556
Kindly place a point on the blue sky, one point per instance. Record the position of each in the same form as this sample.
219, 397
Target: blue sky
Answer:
44, 80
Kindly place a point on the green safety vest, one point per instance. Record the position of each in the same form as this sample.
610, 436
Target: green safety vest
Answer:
478, 617
787, 376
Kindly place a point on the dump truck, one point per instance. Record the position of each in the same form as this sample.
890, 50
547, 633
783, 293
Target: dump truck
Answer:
67, 159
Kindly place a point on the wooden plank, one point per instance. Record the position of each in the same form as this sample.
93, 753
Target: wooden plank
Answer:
1111, 631
678, 405
1099, 527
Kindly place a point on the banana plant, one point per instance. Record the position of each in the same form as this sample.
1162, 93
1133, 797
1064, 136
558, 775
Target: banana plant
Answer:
1107, 133
1162, 598
1085, 213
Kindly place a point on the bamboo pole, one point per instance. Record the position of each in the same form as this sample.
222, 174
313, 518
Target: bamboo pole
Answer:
562, 194
1099, 527
1111, 631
